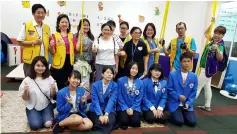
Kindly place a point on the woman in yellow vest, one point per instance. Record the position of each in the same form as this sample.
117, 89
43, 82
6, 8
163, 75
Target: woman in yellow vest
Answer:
125, 37
34, 37
62, 48
152, 44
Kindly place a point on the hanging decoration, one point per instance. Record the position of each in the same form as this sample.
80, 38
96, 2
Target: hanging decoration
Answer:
157, 11
141, 18
62, 3
120, 20
100, 6
26, 4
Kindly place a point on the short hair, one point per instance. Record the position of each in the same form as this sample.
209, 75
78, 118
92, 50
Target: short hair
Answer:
187, 55
135, 28
111, 23
145, 29
157, 67
58, 21
129, 66
220, 29
106, 68
76, 74
124, 23
36, 7
180, 23
32, 73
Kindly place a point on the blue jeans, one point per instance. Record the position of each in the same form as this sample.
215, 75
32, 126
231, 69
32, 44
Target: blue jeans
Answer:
182, 116
37, 119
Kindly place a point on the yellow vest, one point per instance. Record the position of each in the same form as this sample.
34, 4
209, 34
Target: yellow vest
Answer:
157, 55
187, 40
30, 52
124, 58
60, 52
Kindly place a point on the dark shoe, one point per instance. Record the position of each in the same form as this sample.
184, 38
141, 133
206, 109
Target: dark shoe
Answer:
57, 129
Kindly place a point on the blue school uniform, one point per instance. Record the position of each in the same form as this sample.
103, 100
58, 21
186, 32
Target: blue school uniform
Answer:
129, 97
176, 88
103, 102
64, 108
153, 98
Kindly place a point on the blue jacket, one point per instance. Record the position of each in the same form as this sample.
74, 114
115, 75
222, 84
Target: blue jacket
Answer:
103, 103
129, 97
64, 108
150, 98
176, 88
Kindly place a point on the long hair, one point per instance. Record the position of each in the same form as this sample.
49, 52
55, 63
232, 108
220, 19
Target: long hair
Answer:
90, 35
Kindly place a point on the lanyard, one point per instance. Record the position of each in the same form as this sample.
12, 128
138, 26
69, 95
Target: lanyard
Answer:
133, 51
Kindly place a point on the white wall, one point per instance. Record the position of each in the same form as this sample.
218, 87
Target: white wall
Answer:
195, 15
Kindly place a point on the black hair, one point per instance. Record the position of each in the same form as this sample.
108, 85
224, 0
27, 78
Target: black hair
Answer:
180, 23
90, 35
106, 68
145, 29
220, 29
111, 23
58, 21
135, 28
157, 67
187, 55
124, 23
102, 26
36, 7
76, 74
32, 73
129, 66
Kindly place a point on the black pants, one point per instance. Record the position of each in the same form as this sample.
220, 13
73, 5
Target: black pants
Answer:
150, 118
104, 128
125, 120
61, 75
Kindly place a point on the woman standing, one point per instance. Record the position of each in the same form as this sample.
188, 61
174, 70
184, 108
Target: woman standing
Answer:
37, 90
62, 48
130, 93
106, 49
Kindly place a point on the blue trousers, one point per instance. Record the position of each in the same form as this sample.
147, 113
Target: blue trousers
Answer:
37, 119
182, 116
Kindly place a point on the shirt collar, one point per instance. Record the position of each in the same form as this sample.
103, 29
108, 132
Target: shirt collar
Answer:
35, 23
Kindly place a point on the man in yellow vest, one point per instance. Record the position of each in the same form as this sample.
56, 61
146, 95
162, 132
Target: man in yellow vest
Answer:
180, 45
34, 37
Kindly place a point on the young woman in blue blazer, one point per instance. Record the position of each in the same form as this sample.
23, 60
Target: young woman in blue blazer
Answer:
155, 95
71, 103
104, 97
130, 93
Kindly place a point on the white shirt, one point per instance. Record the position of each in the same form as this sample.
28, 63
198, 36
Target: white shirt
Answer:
37, 99
118, 40
156, 90
74, 104
105, 87
39, 29
184, 77
105, 51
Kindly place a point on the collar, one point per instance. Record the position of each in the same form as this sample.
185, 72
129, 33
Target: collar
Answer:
154, 80
35, 24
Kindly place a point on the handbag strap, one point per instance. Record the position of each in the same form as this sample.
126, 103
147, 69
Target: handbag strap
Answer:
42, 92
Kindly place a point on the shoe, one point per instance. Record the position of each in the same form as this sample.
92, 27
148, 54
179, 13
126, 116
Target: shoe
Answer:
57, 129
205, 108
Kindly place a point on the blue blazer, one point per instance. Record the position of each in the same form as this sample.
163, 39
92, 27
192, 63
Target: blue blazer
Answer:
129, 98
103, 103
64, 108
176, 88
151, 98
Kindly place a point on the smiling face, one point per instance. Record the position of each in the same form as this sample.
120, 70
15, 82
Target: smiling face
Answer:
149, 32
74, 82
108, 75
136, 34
181, 29
39, 68
39, 15
155, 74
134, 70
123, 29
63, 24
106, 31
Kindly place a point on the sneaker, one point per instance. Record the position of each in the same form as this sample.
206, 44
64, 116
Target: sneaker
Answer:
205, 108
57, 129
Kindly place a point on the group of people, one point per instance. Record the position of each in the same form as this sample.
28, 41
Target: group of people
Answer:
125, 76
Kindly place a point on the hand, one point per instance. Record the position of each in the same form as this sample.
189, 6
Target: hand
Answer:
129, 111
186, 106
83, 98
215, 47
53, 86
145, 72
38, 42
156, 50
69, 99
94, 49
106, 119
51, 45
213, 19
26, 87
159, 113
162, 42
182, 98
155, 113
116, 72
101, 118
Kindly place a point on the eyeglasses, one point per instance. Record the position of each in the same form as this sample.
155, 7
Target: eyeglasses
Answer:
180, 28
136, 33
